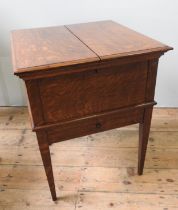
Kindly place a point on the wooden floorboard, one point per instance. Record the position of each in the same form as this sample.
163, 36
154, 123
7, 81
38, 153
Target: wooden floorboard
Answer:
95, 172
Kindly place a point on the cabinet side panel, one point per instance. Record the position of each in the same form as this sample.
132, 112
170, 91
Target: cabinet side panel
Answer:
151, 79
34, 102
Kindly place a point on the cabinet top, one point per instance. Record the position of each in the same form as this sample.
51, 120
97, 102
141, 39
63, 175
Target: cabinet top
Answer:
51, 47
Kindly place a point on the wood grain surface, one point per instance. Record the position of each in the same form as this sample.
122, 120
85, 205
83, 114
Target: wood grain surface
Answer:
109, 39
42, 48
87, 93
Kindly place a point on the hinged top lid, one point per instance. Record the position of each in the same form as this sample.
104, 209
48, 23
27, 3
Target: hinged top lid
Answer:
44, 48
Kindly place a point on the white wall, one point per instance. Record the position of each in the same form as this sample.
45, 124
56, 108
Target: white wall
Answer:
156, 18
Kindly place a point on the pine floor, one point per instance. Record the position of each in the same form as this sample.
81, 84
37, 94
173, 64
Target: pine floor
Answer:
95, 172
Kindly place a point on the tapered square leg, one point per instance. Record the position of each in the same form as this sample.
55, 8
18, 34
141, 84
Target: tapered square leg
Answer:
144, 129
46, 158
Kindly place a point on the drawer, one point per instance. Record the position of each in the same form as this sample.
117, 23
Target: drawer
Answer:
94, 124
82, 94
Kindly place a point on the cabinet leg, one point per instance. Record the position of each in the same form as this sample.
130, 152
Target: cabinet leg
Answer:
46, 158
144, 129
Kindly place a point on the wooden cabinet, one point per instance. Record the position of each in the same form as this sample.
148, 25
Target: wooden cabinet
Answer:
86, 78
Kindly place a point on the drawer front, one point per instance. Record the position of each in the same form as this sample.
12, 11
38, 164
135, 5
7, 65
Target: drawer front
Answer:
94, 124
82, 94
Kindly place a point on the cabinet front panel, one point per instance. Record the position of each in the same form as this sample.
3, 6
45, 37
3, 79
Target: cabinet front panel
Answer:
94, 125
87, 93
